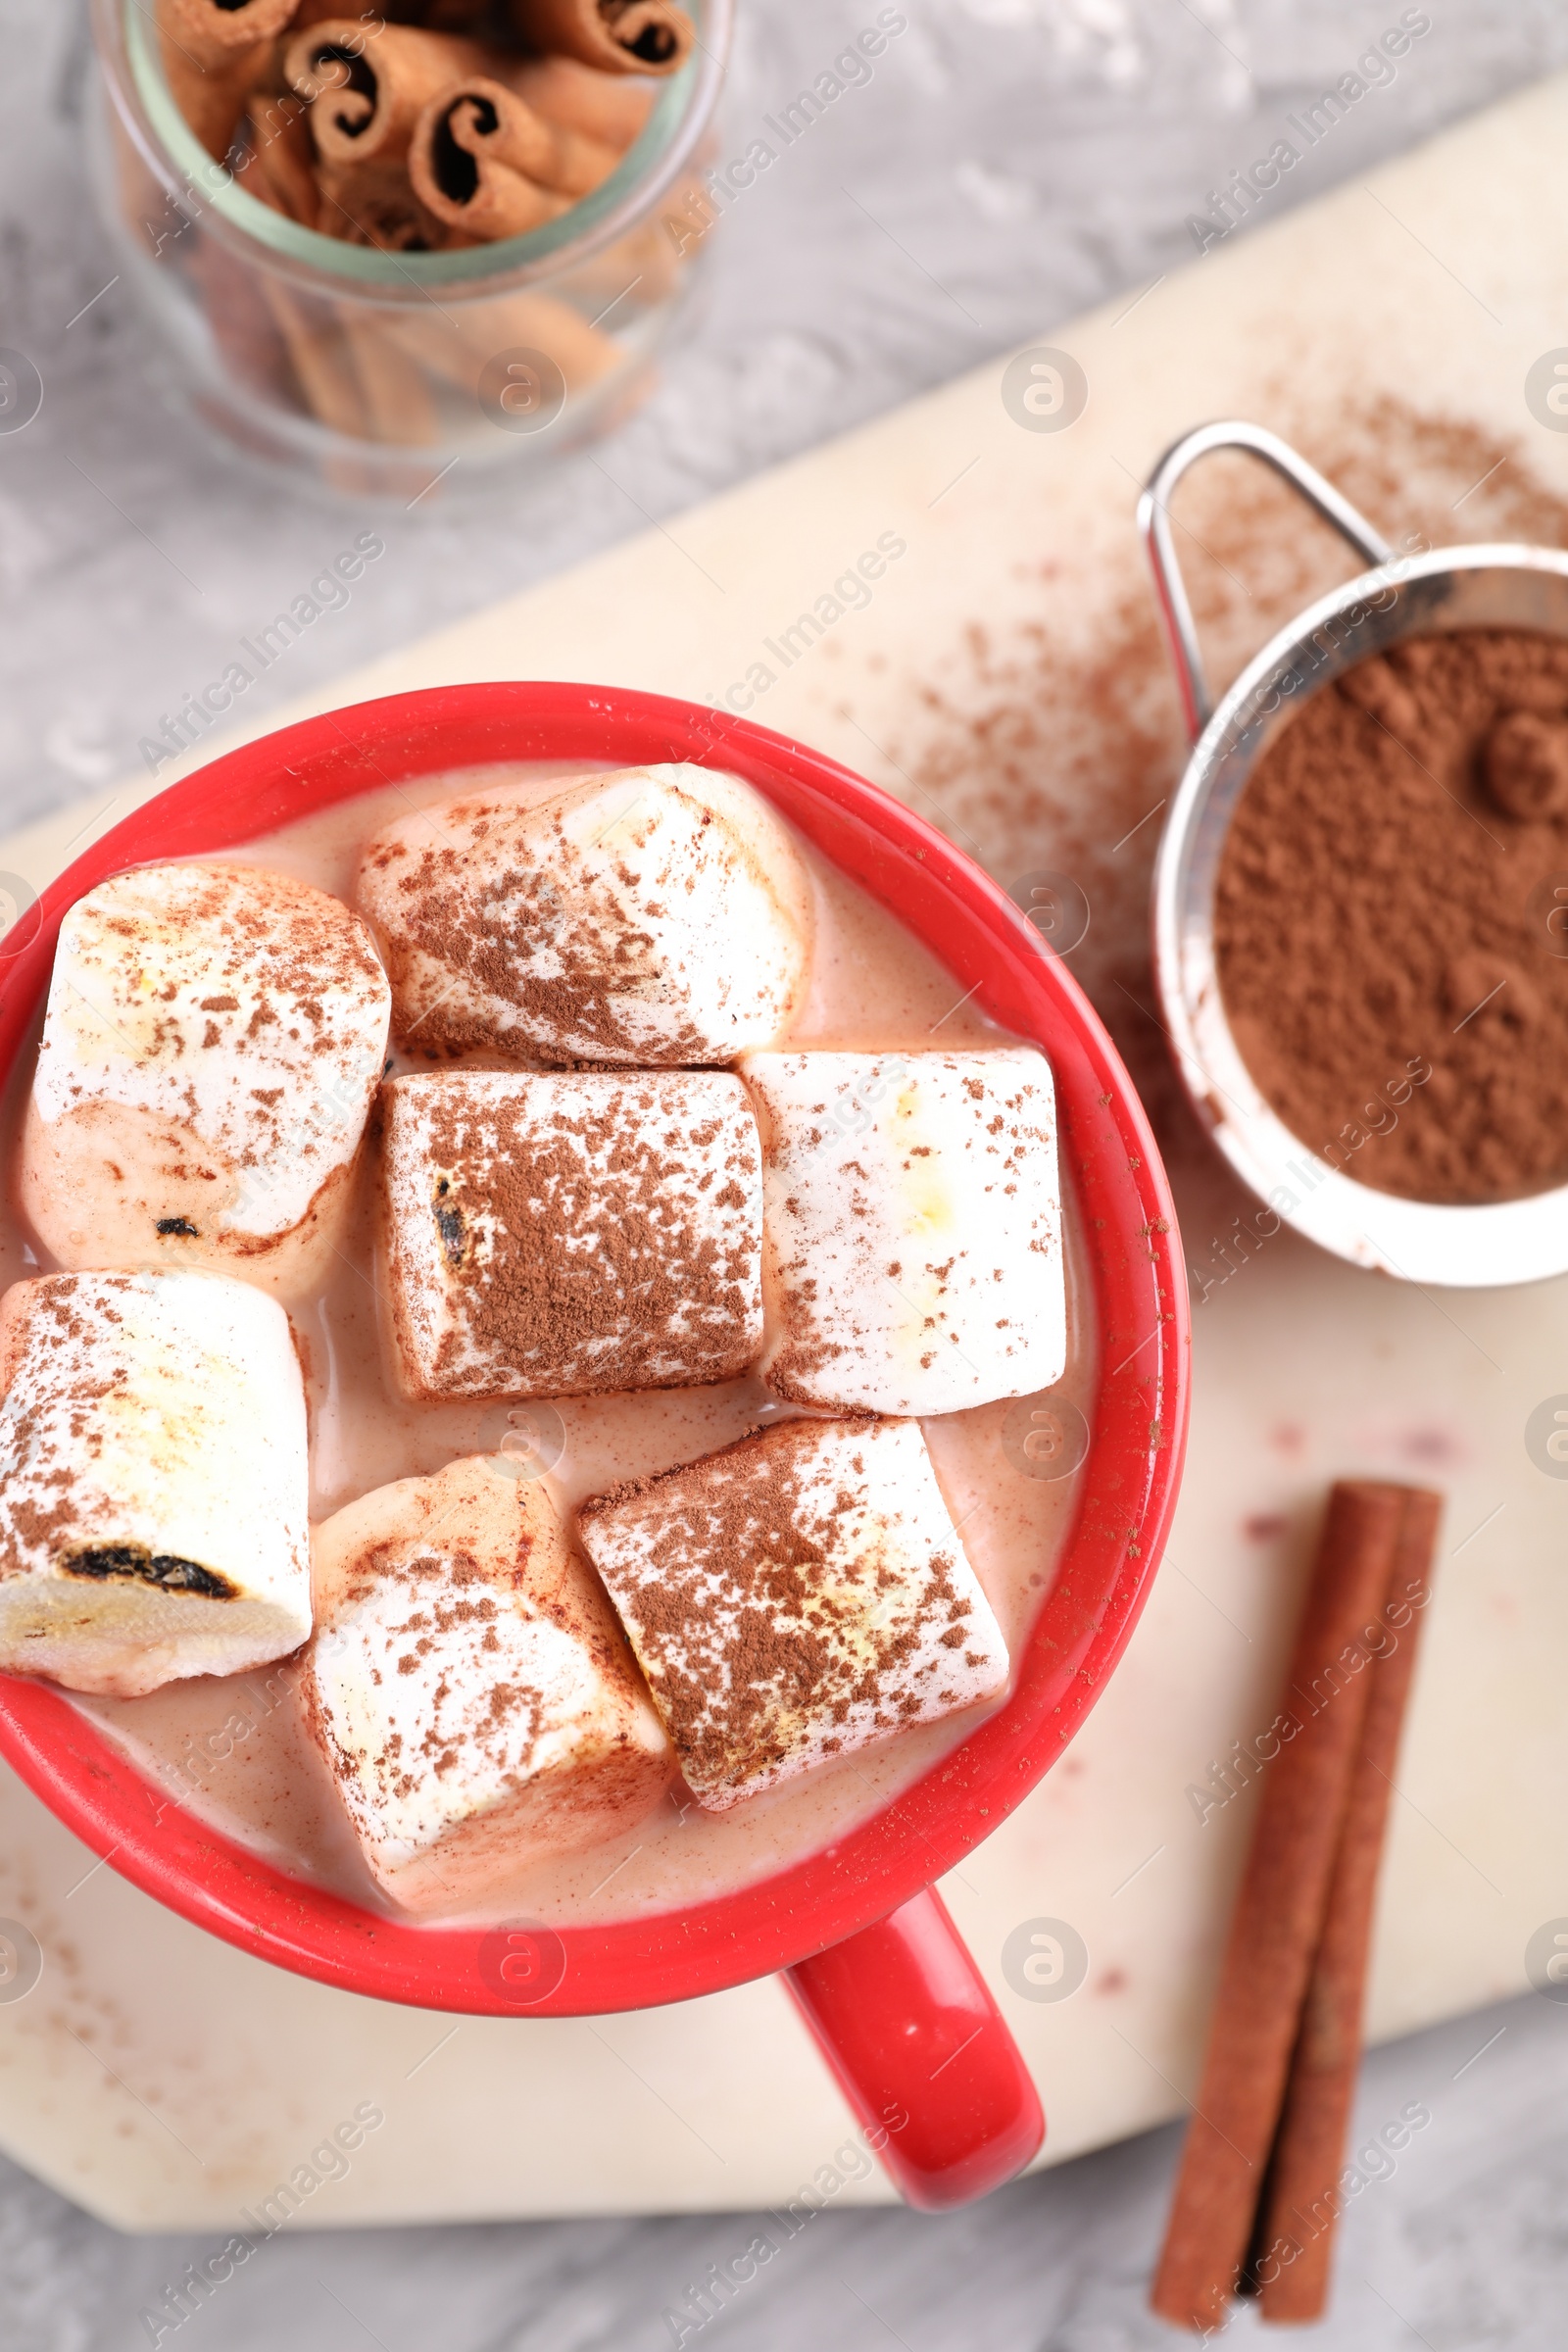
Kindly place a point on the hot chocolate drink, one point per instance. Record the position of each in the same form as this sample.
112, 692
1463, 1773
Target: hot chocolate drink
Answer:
692, 1180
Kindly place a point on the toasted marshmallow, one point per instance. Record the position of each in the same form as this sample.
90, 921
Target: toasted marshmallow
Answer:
656, 915
154, 1486
212, 1043
554, 1235
470, 1687
913, 1254
794, 1599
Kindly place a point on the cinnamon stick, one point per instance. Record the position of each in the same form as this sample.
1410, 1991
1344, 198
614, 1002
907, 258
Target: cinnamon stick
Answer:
398, 406
1278, 1920
444, 15
457, 347
643, 262
383, 212
367, 85
322, 364
1302, 2207
602, 106
278, 165
214, 53
621, 36
241, 322
345, 370
483, 162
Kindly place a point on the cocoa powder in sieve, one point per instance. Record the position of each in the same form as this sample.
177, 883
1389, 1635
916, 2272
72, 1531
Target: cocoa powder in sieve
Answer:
1384, 938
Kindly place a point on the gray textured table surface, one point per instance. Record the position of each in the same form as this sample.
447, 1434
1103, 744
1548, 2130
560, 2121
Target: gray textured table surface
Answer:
1011, 163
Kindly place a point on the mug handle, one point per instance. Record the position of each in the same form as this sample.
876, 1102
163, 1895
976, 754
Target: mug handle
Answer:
1153, 521
922, 2053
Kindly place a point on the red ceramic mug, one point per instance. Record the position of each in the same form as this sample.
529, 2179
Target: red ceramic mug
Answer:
889, 1991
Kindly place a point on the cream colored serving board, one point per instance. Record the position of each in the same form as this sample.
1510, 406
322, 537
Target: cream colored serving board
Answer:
1005, 676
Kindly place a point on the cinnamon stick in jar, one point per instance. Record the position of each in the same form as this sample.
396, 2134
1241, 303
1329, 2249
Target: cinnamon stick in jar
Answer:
278, 165
456, 348
621, 36
1297, 2221
326, 378
399, 408
1278, 1920
602, 106
444, 15
215, 52
366, 85
484, 163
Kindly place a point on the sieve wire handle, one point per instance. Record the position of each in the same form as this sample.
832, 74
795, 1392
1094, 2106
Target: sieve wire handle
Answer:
1153, 521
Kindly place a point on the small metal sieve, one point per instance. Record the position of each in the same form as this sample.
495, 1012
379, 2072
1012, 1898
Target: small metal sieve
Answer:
1402, 596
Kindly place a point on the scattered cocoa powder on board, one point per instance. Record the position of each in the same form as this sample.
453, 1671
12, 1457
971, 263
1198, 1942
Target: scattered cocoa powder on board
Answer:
1033, 750
1380, 925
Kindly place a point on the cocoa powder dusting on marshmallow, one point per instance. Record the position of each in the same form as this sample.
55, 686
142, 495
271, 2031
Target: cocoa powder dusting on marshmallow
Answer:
557, 946
749, 1616
272, 940
47, 1336
576, 1228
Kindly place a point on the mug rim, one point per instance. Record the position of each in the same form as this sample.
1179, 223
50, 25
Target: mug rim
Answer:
1128, 1484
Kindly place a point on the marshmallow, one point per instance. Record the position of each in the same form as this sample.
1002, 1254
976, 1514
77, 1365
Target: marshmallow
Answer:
913, 1254
555, 1235
154, 1486
470, 1687
656, 915
212, 1043
794, 1599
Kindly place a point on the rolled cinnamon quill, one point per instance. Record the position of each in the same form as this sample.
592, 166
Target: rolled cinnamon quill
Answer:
1277, 1924
602, 106
368, 81
279, 162
241, 320
482, 161
344, 371
621, 36
323, 364
442, 16
214, 54
367, 84
398, 406
1294, 2245
644, 262
380, 210
459, 347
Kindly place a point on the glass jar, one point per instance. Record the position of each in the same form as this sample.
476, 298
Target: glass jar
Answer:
405, 374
